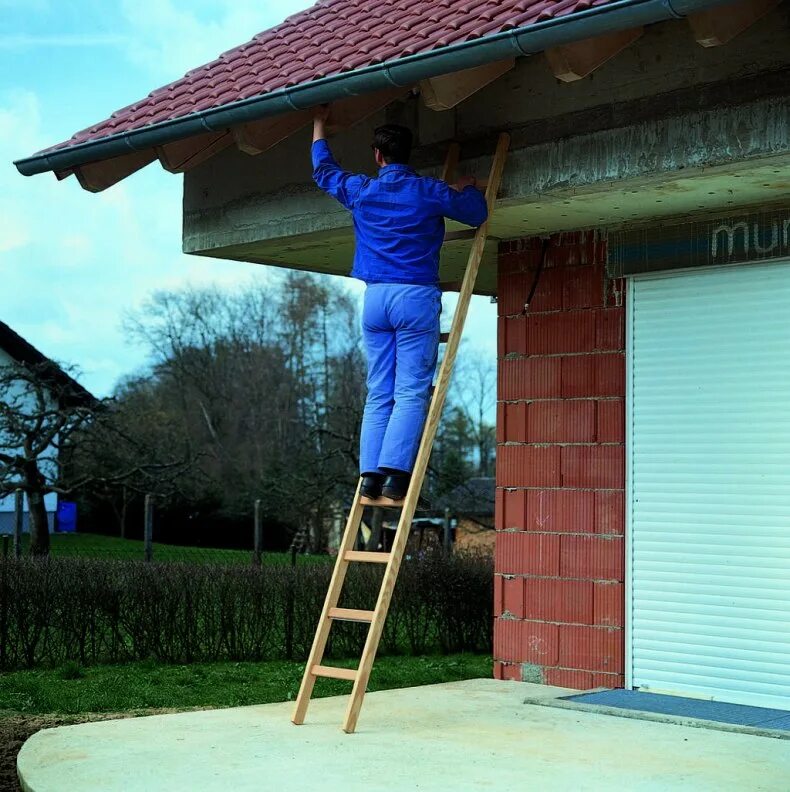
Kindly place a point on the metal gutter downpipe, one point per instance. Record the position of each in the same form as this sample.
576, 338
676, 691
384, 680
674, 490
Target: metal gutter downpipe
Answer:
402, 72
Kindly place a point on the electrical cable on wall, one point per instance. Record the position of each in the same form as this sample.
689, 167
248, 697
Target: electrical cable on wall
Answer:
543, 251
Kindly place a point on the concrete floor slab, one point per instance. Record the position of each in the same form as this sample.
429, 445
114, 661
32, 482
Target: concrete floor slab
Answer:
472, 735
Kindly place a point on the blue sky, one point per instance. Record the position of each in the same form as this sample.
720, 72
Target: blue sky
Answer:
71, 262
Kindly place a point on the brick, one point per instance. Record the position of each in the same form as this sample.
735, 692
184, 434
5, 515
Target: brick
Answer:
499, 669
514, 416
568, 678
513, 513
601, 374
508, 262
594, 467
610, 421
559, 421
513, 290
609, 604
513, 596
528, 466
517, 553
560, 511
610, 512
548, 293
511, 671
526, 642
610, 329
591, 648
601, 252
513, 335
608, 680
614, 294
583, 287
529, 378
556, 333
498, 599
558, 600
573, 249
511, 293
592, 557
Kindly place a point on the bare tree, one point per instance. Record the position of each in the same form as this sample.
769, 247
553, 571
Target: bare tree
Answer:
41, 407
474, 393
268, 384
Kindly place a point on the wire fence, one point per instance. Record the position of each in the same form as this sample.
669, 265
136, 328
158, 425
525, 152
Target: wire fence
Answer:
73, 544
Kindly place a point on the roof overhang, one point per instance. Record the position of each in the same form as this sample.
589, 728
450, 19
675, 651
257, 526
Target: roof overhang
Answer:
130, 150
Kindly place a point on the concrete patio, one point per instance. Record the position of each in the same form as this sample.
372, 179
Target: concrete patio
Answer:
477, 734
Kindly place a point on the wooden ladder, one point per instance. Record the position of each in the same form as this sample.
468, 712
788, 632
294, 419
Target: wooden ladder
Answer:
346, 553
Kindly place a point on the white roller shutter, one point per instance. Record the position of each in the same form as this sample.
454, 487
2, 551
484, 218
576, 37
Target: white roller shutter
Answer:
709, 484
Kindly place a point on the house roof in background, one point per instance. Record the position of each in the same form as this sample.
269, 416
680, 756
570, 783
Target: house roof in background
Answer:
24, 352
329, 38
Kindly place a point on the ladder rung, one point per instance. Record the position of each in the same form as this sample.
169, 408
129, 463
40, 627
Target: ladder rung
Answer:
444, 338
330, 672
387, 502
366, 557
351, 614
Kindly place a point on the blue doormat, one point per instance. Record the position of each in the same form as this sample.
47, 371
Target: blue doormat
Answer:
687, 707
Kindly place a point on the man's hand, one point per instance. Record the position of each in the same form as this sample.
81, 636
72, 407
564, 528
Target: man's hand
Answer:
464, 181
320, 116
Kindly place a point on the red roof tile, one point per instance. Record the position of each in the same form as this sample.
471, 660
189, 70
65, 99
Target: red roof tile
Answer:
332, 36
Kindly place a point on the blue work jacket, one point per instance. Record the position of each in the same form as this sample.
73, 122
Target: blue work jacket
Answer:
398, 217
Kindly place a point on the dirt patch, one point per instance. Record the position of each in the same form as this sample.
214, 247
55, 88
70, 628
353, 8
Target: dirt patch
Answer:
16, 727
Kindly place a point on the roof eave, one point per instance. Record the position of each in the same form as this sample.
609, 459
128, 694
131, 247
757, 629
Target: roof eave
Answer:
401, 72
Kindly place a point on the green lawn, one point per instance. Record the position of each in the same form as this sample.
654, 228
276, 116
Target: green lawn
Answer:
148, 684
99, 546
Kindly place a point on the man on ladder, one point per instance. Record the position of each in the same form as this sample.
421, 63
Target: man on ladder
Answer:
399, 224
399, 230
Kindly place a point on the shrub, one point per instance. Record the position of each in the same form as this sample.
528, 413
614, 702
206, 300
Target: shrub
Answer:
73, 612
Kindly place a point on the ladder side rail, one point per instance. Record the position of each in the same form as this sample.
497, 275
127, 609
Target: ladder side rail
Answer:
426, 444
332, 598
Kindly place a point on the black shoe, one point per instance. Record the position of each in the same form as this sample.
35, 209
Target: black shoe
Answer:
396, 486
372, 484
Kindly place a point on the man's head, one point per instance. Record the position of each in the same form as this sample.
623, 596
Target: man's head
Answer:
392, 144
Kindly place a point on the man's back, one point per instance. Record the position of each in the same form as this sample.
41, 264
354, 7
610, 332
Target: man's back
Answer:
398, 217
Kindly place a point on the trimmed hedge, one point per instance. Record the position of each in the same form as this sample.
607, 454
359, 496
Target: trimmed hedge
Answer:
105, 611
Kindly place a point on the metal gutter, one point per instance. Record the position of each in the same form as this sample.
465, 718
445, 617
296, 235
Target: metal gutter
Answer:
402, 72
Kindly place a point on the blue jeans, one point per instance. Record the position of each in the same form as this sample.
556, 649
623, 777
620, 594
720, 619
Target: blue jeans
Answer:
400, 327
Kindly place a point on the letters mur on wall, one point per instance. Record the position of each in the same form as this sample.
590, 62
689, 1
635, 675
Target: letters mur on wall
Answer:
756, 236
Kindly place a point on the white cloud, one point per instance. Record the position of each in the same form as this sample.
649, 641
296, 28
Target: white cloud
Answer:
26, 41
167, 40
72, 262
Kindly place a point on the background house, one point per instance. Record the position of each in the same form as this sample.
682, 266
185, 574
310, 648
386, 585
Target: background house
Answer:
14, 349
643, 493
471, 509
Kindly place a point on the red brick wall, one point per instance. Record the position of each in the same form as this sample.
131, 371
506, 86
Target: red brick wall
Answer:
560, 466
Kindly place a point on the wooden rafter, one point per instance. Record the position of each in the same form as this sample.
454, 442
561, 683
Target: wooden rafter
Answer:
345, 113
182, 155
448, 90
575, 61
255, 137
98, 176
719, 25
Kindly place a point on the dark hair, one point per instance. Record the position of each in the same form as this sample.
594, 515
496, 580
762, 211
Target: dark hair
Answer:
394, 143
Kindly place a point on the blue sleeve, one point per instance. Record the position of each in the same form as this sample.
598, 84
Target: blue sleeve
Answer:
331, 178
466, 206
